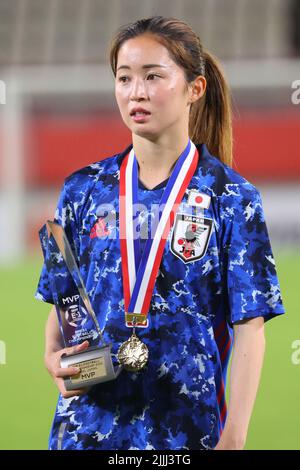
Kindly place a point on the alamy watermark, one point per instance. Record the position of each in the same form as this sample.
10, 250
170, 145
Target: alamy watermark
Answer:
143, 222
2, 353
2, 92
296, 94
296, 354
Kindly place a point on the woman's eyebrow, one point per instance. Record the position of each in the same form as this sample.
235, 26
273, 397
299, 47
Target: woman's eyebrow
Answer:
146, 66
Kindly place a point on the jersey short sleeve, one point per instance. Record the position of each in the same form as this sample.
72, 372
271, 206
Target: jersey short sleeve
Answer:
65, 216
250, 273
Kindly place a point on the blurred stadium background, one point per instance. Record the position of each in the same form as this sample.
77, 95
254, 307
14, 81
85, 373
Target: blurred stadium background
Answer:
57, 113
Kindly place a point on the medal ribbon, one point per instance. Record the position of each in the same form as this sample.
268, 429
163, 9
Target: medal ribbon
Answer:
140, 271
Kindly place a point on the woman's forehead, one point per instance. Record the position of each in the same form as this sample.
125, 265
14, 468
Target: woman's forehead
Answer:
143, 51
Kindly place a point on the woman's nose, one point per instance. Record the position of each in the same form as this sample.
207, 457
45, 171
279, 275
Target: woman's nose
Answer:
138, 90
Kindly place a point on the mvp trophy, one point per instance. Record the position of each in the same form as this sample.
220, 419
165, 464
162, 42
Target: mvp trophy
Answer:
76, 317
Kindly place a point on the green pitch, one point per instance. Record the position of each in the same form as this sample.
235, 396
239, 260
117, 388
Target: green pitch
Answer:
28, 396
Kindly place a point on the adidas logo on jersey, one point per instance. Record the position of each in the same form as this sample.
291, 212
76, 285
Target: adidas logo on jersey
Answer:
100, 229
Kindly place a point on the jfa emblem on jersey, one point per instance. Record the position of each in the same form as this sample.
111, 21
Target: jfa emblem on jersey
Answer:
190, 237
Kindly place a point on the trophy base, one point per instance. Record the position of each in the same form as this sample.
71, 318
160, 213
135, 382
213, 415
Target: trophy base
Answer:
95, 365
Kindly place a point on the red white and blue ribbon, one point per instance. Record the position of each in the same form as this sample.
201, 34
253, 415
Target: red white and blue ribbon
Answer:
140, 271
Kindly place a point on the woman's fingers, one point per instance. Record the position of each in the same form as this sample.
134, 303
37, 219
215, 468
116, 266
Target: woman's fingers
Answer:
58, 373
71, 393
77, 348
66, 372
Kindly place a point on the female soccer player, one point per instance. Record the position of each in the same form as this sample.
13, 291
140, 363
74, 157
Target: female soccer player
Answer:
182, 243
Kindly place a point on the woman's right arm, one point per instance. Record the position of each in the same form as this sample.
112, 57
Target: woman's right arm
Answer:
54, 349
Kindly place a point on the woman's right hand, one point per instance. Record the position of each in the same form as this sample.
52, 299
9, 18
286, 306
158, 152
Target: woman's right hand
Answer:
52, 363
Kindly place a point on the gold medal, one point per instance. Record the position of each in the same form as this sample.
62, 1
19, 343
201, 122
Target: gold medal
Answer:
133, 354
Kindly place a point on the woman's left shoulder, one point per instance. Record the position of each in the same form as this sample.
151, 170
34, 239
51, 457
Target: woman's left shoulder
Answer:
225, 181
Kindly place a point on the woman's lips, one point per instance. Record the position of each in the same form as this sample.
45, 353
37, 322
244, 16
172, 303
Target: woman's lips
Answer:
140, 117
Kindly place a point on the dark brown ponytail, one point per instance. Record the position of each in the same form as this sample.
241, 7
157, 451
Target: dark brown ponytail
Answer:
210, 117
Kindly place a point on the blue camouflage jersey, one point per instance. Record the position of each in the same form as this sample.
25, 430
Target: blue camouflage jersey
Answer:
178, 400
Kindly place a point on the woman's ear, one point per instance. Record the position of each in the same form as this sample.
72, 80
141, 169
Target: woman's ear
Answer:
197, 88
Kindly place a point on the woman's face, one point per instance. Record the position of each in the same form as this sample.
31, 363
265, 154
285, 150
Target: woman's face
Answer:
149, 79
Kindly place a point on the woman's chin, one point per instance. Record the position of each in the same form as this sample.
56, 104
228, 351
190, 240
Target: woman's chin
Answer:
146, 133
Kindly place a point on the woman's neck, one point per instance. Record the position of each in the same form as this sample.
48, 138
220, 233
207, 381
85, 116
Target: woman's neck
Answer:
156, 159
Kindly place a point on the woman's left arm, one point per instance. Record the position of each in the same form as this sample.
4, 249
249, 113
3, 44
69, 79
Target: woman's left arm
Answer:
247, 360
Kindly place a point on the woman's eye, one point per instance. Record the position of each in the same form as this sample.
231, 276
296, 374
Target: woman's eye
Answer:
125, 78
151, 76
